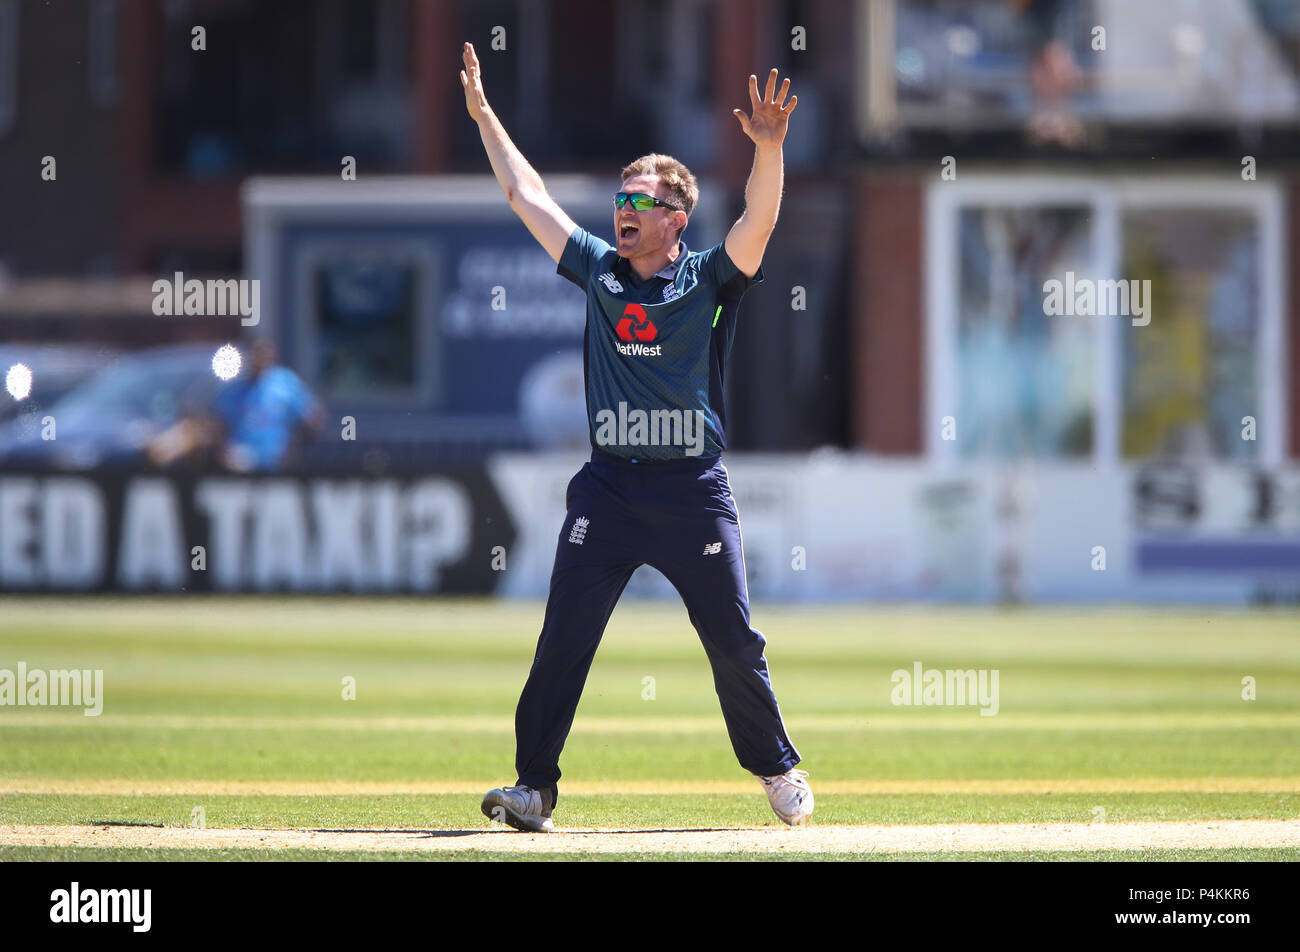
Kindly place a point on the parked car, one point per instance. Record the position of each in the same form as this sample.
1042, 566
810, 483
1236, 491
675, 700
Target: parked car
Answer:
56, 369
111, 417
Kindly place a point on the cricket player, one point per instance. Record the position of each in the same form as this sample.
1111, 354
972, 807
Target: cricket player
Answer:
660, 322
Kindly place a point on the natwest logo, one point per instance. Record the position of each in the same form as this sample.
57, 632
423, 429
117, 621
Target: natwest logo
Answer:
640, 350
635, 325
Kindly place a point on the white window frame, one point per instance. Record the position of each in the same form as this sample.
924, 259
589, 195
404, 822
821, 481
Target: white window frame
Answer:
1108, 198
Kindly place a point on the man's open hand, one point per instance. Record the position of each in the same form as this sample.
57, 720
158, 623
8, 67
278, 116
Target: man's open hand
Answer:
767, 126
475, 101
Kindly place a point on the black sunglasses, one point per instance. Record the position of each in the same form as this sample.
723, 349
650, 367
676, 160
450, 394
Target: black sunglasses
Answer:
640, 201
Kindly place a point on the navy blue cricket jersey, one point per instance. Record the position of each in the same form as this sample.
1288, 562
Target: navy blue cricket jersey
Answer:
655, 352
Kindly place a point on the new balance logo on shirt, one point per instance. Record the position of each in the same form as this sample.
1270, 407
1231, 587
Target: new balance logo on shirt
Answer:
611, 282
713, 548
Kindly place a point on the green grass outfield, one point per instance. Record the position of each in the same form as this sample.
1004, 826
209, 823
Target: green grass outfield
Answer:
235, 706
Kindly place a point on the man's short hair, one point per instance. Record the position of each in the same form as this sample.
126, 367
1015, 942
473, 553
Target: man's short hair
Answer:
676, 179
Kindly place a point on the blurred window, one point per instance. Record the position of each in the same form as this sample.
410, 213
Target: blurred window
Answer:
366, 327
596, 82
979, 64
369, 337
290, 85
101, 55
665, 65
1026, 381
8, 65
1191, 376
1105, 320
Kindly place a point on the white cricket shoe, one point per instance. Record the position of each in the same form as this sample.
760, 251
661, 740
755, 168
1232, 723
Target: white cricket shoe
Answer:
522, 807
790, 796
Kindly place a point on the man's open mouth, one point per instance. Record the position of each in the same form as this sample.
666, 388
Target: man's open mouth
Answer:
625, 230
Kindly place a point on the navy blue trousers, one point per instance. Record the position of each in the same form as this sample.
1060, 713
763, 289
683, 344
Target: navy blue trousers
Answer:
679, 518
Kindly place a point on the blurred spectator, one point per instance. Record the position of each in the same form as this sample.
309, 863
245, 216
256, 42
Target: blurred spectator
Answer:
258, 422
1054, 74
267, 416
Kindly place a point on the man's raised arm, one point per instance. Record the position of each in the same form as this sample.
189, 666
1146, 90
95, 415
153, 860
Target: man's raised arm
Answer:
747, 239
519, 180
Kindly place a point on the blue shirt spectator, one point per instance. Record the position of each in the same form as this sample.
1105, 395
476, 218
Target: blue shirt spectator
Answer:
262, 414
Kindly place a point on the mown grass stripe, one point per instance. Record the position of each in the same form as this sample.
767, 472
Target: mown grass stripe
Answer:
63, 787
919, 720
